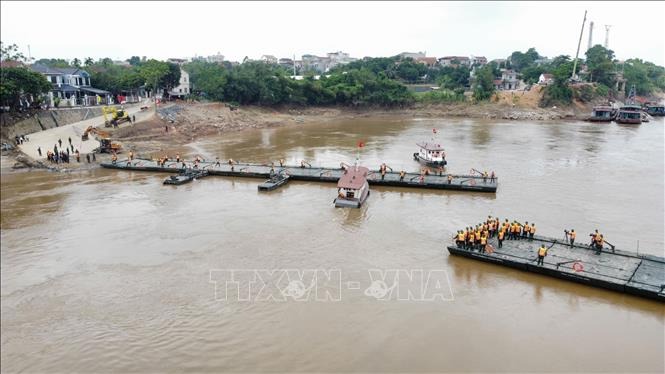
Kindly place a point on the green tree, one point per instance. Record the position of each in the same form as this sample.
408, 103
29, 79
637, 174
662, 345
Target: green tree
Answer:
207, 78
20, 82
600, 65
559, 92
484, 87
76, 63
89, 61
153, 72
53, 62
134, 60
171, 78
10, 52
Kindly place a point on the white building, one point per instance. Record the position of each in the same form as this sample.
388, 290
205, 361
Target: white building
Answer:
413, 55
218, 58
269, 59
183, 88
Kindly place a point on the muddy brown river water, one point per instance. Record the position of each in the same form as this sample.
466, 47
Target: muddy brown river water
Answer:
110, 271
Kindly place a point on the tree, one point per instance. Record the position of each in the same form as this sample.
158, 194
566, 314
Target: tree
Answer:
11, 53
646, 76
76, 63
134, 60
600, 65
207, 78
53, 62
484, 87
89, 61
558, 91
152, 72
172, 78
20, 82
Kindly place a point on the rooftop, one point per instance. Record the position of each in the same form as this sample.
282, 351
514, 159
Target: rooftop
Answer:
353, 178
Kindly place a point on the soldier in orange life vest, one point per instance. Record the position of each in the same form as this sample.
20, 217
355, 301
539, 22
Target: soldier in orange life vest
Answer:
502, 232
600, 241
572, 236
532, 231
483, 243
542, 252
525, 230
460, 239
472, 238
594, 237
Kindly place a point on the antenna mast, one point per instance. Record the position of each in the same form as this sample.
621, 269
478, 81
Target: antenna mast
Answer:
578, 47
607, 36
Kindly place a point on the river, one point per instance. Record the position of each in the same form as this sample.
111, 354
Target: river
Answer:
107, 270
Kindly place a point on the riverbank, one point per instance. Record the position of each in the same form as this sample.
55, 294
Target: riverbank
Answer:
178, 124
188, 122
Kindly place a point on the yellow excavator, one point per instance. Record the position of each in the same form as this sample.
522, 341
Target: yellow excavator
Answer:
118, 116
105, 144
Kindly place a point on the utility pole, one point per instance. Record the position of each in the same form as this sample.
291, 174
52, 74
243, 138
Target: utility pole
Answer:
578, 47
607, 36
294, 66
590, 36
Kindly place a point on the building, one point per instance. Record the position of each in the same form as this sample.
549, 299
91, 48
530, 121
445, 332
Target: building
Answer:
72, 86
413, 55
183, 88
339, 58
545, 79
478, 60
508, 80
500, 62
177, 61
455, 61
542, 61
315, 63
269, 59
216, 58
427, 61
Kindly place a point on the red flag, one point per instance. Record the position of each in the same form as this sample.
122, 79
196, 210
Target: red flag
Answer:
361, 144
434, 131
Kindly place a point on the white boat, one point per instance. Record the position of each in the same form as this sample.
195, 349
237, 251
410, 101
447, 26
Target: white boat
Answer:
431, 155
352, 187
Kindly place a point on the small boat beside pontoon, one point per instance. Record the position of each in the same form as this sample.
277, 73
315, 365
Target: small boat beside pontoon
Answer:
602, 113
352, 187
656, 110
629, 114
185, 176
276, 180
430, 155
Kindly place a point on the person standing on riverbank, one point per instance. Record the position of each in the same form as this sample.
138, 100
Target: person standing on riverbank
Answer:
39, 150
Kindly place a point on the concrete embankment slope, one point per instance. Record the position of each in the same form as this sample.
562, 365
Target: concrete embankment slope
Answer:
48, 138
47, 119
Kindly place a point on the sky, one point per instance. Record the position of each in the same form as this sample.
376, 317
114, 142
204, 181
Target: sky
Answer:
162, 30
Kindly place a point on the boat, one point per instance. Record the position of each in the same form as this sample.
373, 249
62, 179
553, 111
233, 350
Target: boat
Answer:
613, 269
629, 114
276, 180
430, 155
185, 176
602, 113
656, 110
352, 187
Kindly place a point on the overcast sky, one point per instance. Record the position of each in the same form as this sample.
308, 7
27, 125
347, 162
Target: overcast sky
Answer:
184, 29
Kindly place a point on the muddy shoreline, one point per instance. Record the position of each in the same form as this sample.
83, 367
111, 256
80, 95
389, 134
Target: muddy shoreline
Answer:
175, 125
